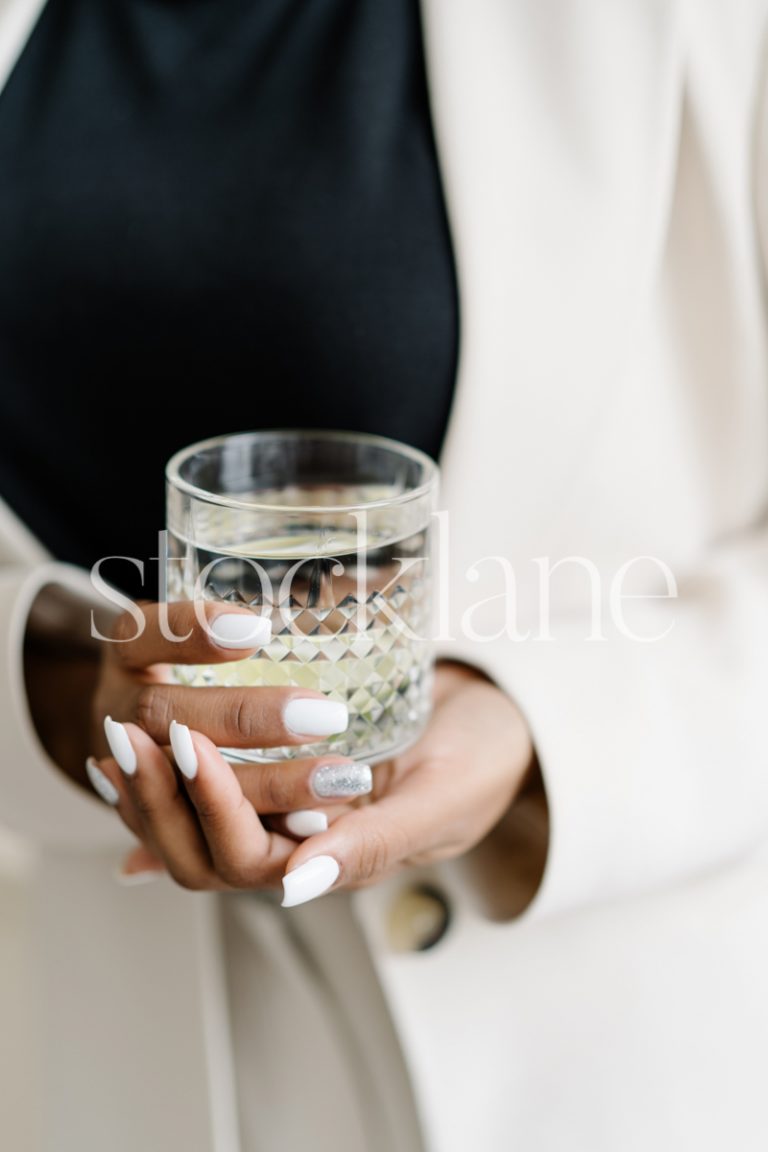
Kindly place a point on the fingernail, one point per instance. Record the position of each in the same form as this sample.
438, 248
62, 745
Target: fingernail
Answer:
183, 749
342, 780
306, 822
305, 717
120, 745
133, 879
100, 783
309, 880
240, 630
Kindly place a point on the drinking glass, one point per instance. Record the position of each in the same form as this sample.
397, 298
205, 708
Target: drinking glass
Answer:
329, 534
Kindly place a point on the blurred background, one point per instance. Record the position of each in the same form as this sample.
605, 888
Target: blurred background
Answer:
17, 1054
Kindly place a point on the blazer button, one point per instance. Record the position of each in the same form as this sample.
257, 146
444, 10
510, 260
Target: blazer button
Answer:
417, 918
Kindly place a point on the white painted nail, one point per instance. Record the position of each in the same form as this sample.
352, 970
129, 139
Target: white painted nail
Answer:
309, 880
307, 717
306, 822
133, 879
100, 783
183, 749
238, 630
120, 746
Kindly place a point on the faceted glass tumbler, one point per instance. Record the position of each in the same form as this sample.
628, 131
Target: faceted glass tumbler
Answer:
329, 534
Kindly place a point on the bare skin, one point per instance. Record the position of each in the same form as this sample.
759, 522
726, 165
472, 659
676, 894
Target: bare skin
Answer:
225, 829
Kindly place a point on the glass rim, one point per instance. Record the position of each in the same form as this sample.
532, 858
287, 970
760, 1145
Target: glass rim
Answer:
429, 466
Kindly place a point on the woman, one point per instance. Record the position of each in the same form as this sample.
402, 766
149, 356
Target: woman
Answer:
604, 177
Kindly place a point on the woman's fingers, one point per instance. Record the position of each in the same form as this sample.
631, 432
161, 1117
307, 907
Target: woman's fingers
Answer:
300, 784
428, 805
139, 865
365, 844
240, 717
206, 832
439, 798
217, 840
167, 823
188, 632
109, 783
243, 853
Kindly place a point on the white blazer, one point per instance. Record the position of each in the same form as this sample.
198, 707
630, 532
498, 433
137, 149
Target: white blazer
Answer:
606, 172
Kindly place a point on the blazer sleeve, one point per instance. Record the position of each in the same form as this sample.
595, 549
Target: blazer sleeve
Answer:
36, 799
654, 756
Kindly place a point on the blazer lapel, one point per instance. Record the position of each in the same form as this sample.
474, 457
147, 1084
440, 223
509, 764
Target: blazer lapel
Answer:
17, 19
556, 126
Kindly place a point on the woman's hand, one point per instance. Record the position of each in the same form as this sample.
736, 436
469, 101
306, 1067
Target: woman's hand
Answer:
435, 801
135, 682
137, 711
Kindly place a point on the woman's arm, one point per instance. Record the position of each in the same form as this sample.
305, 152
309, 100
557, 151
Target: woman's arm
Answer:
37, 799
61, 672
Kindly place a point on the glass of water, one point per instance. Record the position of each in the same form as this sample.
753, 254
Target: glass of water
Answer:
329, 534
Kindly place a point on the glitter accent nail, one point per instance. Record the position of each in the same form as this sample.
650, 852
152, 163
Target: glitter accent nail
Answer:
342, 780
